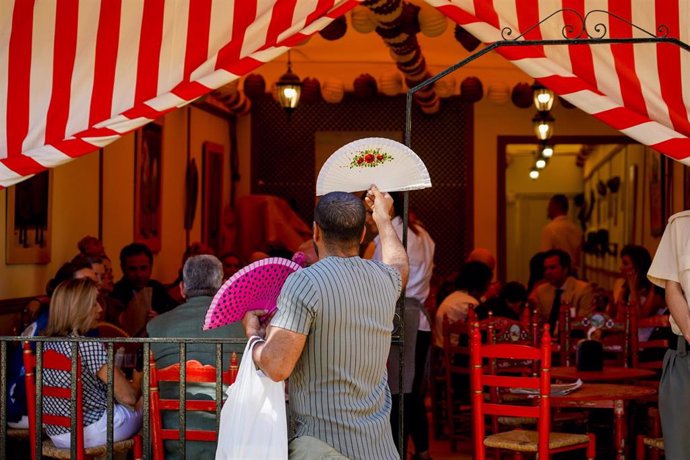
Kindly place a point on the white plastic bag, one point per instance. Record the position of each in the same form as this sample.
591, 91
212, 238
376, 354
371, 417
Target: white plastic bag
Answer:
253, 425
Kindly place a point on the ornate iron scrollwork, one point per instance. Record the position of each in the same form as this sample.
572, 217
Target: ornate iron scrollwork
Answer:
582, 30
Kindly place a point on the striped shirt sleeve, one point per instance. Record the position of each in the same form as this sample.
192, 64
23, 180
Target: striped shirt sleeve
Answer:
297, 305
394, 275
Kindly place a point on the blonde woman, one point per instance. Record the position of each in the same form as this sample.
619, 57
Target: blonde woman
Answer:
74, 309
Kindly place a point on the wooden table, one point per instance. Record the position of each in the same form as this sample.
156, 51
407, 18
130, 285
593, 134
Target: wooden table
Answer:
606, 396
609, 374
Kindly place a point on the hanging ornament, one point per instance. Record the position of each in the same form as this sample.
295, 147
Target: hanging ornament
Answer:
390, 84
311, 91
432, 22
466, 39
409, 19
335, 30
361, 20
522, 95
498, 93
333, 90
471, 89
445, 87
364, 86
254, 85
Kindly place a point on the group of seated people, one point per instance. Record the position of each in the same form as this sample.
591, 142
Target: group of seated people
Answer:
82, 295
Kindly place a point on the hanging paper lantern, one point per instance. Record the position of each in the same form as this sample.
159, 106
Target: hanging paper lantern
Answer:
361, 20
522, 95
390, 83
466, 39
565, 104
432, 22
445, 87
498, 93
333, 90
311, 91
408, 20
471, 89
335, 30
364, 86
254, 85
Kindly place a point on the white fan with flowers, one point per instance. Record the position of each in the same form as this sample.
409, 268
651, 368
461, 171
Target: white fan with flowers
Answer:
390, 165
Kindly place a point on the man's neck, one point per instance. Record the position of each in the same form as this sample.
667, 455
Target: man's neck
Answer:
330, 251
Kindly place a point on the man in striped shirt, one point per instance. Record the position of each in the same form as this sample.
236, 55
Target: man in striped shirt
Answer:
332, 334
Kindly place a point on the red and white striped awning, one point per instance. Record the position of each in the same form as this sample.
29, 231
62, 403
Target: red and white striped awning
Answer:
77, 75
642, 90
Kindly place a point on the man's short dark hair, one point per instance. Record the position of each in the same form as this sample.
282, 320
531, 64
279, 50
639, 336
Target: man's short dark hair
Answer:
473, 277
202, 275
563, 257
340, 216
561, 202
135, 249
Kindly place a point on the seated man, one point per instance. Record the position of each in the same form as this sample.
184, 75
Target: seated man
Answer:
560, 288
202, 275
142, 297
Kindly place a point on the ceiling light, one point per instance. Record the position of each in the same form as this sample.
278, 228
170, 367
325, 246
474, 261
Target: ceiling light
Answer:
533, 174
540, 163
543, 125
547, 151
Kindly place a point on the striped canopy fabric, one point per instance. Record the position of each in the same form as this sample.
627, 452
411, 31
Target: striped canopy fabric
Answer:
77, 75
642, 90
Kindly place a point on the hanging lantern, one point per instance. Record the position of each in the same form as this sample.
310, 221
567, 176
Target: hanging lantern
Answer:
364, 86
361, 20
522, 95
311, 90
254, 85
546, 150
289, 88
466, 39
445, 87
543, 97
543, 125
471, 89
534, 173
335, 30
390, 84
432, 22
333, 91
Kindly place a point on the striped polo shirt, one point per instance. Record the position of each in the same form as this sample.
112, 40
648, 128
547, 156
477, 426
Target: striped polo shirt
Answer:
338, 389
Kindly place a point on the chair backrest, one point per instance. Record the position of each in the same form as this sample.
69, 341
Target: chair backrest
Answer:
486, 378
654, 347
52, 360
195, 372
507, 330
616, 335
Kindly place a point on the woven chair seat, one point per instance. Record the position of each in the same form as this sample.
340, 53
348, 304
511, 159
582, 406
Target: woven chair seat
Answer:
526, 441
657, 443
18, 433
49, 449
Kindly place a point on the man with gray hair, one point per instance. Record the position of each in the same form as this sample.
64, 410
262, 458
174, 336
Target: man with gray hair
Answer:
202, 276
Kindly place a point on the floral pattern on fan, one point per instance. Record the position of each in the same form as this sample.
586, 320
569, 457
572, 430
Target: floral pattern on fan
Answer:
370, 158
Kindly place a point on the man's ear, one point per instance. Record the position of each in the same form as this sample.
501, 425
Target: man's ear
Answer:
317, 232
182, 290
364, 233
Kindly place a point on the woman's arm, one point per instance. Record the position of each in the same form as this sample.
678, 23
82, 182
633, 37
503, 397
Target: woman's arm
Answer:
675, 299
125, 392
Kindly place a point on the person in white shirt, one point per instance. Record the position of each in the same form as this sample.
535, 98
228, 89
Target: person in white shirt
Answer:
420, 252
561, 233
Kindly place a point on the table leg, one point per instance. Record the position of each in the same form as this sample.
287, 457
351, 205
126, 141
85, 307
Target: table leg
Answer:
621, 431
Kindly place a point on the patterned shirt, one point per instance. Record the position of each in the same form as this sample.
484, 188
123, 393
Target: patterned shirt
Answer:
338, 389
93, 356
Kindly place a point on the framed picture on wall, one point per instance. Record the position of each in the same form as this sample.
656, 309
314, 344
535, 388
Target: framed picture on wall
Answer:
212, 195
148, 157
660, 170
29, 220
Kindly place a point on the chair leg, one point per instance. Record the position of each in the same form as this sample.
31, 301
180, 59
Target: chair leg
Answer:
518, 456
138, 450
639, 447
592, 446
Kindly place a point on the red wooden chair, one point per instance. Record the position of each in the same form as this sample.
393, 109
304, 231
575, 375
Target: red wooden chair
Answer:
640, 349
195, 373
615, 336
56, 361
484, 376
456, 374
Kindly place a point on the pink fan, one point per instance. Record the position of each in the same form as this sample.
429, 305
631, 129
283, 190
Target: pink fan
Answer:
255, 287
